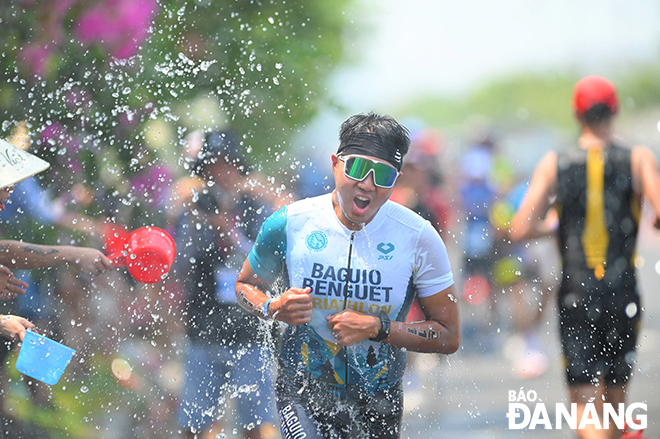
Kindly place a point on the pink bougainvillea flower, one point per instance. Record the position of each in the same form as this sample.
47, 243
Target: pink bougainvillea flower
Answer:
52, 133
120, 25
53, 21
77, 97
155, 183
56, 135
35, 57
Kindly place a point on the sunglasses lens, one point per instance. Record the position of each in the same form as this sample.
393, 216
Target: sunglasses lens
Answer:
385, 175
358, 168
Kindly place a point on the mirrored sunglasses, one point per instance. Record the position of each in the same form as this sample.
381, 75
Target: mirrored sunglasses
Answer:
357, 168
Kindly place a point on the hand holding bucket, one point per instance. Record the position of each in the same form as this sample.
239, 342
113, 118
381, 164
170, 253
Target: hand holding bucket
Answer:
147, 252
42, 358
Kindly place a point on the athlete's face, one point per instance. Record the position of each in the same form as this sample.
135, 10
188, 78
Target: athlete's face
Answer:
356, 202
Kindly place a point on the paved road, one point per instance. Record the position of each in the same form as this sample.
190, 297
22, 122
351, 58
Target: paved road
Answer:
466, 395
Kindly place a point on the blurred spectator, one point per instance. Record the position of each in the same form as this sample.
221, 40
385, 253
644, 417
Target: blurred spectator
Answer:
477, 196
226, 349
526, 280
420, 187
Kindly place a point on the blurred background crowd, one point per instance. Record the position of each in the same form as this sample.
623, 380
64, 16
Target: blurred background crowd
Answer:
204, 117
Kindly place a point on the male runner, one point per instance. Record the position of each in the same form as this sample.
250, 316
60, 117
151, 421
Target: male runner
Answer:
352, 263
598, 187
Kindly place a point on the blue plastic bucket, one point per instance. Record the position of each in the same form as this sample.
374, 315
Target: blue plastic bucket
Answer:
42, 358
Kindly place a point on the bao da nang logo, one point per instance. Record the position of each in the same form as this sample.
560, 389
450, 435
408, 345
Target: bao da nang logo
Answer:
526, 411
316, 241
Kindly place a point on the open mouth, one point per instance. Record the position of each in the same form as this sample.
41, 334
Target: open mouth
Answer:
361, 202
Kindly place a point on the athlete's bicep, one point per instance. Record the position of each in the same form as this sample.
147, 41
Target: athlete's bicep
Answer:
432, 272
443, 308
248, 276
267, 255
645, 171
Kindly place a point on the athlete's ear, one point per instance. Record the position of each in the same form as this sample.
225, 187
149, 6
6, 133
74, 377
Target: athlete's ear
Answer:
335, 161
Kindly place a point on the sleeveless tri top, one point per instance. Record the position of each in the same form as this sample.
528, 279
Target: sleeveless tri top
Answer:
598, 222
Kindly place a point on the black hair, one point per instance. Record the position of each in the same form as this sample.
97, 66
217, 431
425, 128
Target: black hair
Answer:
597, 115
209, 201
389, 137
219, 146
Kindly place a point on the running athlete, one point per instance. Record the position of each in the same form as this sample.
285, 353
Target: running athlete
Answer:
598, 189
352, 263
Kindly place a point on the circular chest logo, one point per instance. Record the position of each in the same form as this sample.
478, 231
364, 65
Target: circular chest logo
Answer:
316, 241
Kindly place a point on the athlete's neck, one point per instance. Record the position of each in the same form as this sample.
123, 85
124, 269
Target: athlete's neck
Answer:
343, 218
598, 136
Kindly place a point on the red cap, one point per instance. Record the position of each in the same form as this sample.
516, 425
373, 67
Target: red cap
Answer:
594, 90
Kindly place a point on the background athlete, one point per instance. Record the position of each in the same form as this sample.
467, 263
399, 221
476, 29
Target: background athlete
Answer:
598, 188
352, 263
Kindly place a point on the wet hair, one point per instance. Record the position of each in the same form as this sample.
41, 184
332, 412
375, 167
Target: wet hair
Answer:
374, 135
598, 114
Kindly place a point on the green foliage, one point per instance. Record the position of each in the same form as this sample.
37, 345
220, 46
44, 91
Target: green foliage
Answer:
529, 99
642, 86
509, 100
91, 92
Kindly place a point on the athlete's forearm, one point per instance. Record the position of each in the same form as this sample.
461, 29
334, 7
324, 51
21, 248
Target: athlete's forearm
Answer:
651, 188
251, 298
428, 336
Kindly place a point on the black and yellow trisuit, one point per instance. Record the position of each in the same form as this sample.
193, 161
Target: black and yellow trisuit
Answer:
599, 305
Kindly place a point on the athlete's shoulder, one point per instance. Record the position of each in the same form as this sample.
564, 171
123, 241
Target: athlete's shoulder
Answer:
641, 152
404, 216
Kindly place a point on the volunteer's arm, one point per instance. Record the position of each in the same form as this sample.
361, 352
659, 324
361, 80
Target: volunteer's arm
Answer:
10, 285
529, 221
439, 333
25, 256
13, 327
294, 306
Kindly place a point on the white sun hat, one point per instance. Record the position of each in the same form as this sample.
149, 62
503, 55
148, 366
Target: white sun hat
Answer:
17, 165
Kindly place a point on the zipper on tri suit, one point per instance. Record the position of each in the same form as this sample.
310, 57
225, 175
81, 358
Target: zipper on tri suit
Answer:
346, 285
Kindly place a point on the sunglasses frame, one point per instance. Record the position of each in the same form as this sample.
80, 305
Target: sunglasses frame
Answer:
371, 170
